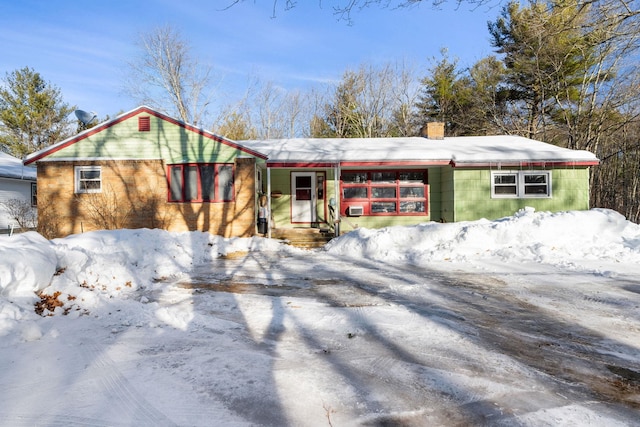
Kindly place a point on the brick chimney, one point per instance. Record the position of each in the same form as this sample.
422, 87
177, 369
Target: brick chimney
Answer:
433, 130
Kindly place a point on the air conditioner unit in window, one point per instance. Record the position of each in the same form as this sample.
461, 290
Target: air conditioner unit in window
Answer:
355, 211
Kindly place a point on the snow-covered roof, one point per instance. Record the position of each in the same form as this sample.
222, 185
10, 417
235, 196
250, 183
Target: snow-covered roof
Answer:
12, 167
461, 151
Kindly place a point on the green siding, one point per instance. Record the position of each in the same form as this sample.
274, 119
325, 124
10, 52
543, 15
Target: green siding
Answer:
280, 207
454, 195
165, 140
435, 194
447, 212
472, 191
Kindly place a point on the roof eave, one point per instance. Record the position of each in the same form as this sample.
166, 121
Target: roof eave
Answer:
524, 163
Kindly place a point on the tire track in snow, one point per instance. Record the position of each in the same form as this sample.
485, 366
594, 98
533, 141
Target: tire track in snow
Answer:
118, 388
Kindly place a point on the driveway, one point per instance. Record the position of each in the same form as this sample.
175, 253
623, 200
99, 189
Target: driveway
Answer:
443, 344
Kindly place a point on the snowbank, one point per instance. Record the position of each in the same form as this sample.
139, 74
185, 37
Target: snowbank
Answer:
28, 264
528, 235
93, 267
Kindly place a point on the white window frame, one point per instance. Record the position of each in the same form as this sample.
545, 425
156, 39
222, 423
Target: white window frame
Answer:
520, 184
79, 188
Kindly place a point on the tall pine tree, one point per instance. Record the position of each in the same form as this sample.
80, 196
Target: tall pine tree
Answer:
32, 113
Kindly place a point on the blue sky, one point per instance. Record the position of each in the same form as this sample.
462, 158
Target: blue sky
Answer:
83, 47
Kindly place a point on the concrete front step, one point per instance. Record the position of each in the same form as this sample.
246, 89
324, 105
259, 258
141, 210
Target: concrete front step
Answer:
303, 237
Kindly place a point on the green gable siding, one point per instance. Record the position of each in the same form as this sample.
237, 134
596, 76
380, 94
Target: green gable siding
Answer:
472, 192
165, 140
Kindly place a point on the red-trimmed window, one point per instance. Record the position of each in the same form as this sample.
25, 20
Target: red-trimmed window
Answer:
144, 124
200, 182
385, 192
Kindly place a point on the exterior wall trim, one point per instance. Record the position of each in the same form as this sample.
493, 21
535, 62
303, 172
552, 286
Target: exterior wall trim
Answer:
523, 164
288, 165
399, 163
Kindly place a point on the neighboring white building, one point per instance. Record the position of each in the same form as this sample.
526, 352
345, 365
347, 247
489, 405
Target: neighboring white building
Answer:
17, 182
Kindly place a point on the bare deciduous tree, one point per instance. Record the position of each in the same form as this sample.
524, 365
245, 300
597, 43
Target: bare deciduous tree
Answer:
167, 77
370, 102
22, 212
266, 111
344, 9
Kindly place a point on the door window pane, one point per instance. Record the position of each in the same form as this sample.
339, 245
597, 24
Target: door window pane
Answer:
303, 181
303, 194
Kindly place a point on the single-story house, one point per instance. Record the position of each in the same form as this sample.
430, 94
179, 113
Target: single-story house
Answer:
17, 192
145, 169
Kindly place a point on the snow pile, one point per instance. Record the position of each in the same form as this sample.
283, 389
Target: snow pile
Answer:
87, 270
122, 261
544, 237
28, 264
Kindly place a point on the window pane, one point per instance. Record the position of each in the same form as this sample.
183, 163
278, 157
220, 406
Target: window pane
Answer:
504, 179
417, 176
191, 184
89, 174
411, 206
535, 189
382, 207
225, 182
90, 185
354, 192
176, 183
535, 179
383, 192
536, 184
505, 189
354, 177
207, 174
411, 192
34, 194
383, 177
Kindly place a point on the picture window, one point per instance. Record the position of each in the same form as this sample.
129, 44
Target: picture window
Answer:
201, 182
386, 192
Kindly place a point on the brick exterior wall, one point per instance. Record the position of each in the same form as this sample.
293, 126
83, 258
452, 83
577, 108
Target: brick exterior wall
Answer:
134, 195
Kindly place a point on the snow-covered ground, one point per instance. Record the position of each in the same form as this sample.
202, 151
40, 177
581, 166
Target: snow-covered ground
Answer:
530, 320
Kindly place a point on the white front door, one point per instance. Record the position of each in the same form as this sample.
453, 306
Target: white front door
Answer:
303, 197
